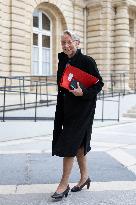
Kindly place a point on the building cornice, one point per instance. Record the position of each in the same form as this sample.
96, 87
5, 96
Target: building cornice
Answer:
79, 3
117, 3
132, 4
93, 3
129, 3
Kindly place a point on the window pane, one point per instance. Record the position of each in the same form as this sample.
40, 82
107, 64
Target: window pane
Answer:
45, 22
45, 69
35, 68
35, 39
35, 57
35, 22
46, 61
36, 19
46, 55
46, 41
35, 54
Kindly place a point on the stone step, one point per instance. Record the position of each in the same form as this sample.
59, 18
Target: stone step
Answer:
131, 115
131, 112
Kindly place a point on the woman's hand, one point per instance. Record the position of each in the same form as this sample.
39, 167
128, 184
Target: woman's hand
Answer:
78, 91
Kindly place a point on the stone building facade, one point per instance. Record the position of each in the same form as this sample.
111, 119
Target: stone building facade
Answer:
30, 32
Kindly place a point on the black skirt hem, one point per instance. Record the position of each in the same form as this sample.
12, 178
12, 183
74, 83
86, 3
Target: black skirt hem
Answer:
69, 155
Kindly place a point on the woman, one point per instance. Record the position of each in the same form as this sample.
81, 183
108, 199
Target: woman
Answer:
74, 115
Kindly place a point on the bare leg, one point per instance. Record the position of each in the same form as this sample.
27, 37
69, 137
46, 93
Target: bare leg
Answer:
67, 167
82, 162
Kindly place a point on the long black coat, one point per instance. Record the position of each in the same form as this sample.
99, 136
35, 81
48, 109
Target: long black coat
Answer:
74, 114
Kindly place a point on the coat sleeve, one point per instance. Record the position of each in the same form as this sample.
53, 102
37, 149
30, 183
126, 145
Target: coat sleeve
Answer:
91, 92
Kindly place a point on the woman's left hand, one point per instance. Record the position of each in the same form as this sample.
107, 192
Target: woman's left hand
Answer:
78, 91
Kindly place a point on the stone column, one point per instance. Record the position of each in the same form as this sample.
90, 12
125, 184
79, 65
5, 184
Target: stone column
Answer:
0, 35
19, 38
78, 21
122, 42
134, 60
132, 48
5, 31
100, 36
107, 39
94, 32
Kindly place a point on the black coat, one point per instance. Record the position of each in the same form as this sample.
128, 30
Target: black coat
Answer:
74, 114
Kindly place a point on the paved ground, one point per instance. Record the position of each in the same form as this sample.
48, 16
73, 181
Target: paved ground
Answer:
29, 174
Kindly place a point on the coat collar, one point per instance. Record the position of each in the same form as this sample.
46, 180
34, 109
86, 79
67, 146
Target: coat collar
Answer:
63, 56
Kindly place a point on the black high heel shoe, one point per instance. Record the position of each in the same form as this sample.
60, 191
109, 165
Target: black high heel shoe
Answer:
61, 195
79, 188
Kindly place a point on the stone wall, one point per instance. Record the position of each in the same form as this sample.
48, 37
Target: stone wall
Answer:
132, 55
104, 26
16, 36
5, 37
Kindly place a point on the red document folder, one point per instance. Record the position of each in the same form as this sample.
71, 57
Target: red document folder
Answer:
84, 78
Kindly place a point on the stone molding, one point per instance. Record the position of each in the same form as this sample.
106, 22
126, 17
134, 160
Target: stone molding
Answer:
118, 3
92, 3
79, 3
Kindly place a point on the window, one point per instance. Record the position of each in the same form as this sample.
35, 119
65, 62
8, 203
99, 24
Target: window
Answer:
41, 54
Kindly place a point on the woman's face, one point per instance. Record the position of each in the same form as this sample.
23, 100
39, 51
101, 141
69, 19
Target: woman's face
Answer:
69, 46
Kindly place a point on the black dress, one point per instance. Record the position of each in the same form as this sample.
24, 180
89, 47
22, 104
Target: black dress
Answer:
74, 114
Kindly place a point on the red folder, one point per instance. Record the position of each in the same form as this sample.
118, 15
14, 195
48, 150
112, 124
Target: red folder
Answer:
81, 76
